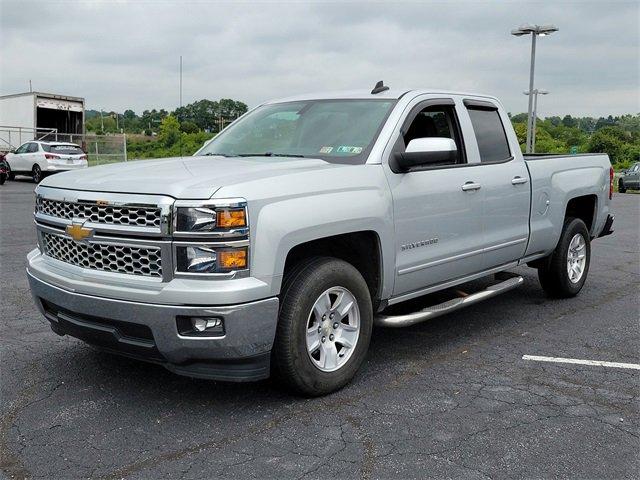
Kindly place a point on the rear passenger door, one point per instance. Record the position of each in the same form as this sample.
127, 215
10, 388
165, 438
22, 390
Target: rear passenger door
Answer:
31, 157
505, 184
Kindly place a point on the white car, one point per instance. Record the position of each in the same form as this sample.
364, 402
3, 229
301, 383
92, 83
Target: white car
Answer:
38, 158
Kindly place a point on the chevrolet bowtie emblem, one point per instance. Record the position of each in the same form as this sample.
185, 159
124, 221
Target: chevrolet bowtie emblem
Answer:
78, 232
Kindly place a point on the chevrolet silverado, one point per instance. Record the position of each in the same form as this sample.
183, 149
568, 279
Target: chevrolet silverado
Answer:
278, 246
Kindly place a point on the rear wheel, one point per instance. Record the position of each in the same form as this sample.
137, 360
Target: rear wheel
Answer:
621, 187
36, 173
3, 178
563, 274
325, 325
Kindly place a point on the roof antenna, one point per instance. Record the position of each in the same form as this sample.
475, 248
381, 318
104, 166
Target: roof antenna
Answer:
380, 87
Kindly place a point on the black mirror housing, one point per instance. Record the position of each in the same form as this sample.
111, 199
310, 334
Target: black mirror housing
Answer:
405, 162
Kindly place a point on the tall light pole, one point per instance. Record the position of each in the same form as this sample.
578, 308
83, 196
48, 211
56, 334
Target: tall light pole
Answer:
534, 31
536, 92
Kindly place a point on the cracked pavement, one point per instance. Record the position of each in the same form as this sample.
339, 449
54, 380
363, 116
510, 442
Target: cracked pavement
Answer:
447, 398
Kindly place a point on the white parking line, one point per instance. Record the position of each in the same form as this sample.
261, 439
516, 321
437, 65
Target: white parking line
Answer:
596, 363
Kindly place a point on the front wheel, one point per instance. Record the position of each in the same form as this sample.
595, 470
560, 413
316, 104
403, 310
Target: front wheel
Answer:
563, 274
3, 178
36, 173
11, 175
324, 327
621, 187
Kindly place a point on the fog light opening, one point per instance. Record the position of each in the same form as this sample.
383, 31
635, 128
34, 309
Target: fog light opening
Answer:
200, 326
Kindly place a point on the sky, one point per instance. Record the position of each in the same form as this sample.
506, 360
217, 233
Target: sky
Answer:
125, 54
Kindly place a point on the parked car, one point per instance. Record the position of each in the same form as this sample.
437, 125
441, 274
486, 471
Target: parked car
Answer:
4, 170
38, 159
630, 179
301, 225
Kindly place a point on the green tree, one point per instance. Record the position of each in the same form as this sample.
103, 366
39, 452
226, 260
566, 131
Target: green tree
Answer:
569, 121
189, 127
520, 118
607, 140
169, 131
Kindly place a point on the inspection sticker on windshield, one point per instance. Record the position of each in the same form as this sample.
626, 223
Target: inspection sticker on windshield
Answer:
348, 149
326, 149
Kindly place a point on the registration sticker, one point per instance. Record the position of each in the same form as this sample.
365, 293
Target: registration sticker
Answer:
349, 149
326, 149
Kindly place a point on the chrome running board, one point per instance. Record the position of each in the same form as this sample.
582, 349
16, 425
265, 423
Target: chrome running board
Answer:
510, 282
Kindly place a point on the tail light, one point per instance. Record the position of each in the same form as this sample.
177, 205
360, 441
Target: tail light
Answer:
83, 157
49, 156
611, 176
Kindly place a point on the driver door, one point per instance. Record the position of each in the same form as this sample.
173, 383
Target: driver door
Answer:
16, 160
438, 219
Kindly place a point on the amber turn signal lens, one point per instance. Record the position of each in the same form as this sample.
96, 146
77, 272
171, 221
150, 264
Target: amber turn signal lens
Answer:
232, 259
230, 218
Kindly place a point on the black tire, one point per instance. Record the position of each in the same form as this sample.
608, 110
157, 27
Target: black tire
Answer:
36, 174
621, 187
553, 273
3, 178
293, 366
12, 176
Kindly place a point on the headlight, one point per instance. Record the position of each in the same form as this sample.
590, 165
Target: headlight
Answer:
196, 258
219, 218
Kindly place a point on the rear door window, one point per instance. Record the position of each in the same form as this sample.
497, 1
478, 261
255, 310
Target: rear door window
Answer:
490, 134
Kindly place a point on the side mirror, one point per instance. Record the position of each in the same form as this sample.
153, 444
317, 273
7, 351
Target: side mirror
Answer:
426, 151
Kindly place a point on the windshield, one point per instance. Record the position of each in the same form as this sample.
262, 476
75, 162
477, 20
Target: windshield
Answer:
341, 131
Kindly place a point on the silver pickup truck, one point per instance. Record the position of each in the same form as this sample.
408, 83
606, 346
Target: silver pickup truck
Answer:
278, 246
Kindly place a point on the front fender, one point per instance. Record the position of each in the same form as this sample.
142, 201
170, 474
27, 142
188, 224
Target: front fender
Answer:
285, 223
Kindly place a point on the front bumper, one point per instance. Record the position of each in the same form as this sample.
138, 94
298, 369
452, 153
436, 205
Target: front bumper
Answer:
149, 331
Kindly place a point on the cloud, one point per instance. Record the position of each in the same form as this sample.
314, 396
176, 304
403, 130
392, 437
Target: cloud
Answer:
125, 54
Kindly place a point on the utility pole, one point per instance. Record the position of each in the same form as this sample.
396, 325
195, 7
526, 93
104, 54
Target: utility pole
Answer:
101, 121
30, 87
536, 92
534, 31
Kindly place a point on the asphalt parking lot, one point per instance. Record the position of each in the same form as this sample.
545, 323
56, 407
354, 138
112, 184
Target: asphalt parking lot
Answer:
448, 398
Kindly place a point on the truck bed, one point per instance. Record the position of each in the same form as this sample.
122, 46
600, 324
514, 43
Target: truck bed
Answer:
555, 179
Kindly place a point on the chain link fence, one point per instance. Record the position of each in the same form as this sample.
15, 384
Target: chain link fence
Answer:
100, 149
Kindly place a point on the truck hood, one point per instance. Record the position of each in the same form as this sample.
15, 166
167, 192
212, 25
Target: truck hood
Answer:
181, 177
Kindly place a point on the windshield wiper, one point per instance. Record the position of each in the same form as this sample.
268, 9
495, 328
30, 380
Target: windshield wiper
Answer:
212, 154
270, 154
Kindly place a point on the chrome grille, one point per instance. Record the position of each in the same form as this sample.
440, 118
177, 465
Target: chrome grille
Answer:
145, 261
108, 214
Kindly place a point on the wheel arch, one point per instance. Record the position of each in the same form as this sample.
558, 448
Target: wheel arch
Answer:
585, 208
362, 249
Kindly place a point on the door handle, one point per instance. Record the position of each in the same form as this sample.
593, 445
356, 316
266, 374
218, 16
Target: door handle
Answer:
519, 180
470, 186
